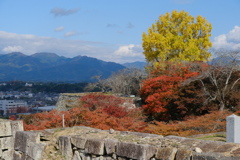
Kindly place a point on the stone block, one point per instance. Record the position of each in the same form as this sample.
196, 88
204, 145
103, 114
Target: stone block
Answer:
211, 156
23, 137
85, 157
7, 154
6, 143
6, 129
189, 142
35, 150
16, 126
209, 146
78, 141
236, 152
167, 153
226, 148
135, 151
76, 156
65, 146
140, 134
18, 155
107, 158
110, 145
94, 146
183, 154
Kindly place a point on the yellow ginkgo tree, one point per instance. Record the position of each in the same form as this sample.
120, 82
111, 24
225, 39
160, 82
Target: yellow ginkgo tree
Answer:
177, 37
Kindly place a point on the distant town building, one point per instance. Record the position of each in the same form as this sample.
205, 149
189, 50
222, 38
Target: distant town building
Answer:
28, 84
43, 109
11, 106
3, 84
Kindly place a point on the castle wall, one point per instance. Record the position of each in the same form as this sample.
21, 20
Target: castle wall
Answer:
85, 143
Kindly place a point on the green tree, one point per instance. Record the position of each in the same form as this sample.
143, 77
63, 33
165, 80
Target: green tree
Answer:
177, 36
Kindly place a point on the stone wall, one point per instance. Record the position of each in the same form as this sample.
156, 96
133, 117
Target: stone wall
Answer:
7, 137
67, 100
94, 144
85, 143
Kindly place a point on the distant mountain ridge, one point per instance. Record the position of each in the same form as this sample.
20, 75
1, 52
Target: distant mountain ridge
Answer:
140, 65
51, 67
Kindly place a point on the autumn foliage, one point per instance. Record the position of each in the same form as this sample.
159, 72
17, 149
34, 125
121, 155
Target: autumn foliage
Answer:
94, 110
209, 123
160, 91
106, 117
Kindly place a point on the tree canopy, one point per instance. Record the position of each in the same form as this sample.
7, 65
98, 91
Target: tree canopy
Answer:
177, 36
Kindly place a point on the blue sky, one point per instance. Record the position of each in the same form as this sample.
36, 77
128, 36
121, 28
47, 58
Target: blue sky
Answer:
109, 30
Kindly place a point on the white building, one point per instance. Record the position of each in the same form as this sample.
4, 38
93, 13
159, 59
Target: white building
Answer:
10, 106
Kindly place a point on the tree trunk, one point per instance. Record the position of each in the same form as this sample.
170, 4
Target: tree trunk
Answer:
222, 106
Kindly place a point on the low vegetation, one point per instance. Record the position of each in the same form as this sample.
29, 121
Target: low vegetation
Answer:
107, 111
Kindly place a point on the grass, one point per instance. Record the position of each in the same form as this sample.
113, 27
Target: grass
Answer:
213, 137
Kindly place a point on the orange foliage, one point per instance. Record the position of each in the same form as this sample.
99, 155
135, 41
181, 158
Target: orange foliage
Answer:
133, 120
158, 90
209, 123
96, 111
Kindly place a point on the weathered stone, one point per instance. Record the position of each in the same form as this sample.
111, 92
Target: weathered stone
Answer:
8, 154
78, 141
211, 156
107, 158
35, 150
209, 146
167, 153
236, 152
121, 158
18, 155
0, 153
66, 101
111, 131
140, 134
6, 129
94, 146
16, 126
226, 147
6, 143
183, 154
65, 146
198, 150
84, 157
110, 145
135, 151
114, 156
23, 137
76, 156
188, 142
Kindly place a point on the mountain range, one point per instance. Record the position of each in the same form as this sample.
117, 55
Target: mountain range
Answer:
54, 68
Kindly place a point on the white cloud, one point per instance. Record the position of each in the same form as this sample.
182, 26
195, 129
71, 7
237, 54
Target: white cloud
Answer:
68, 34
59, 29
30, 44
230, 40
10, 49
234, 35
129, 53
63, 12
